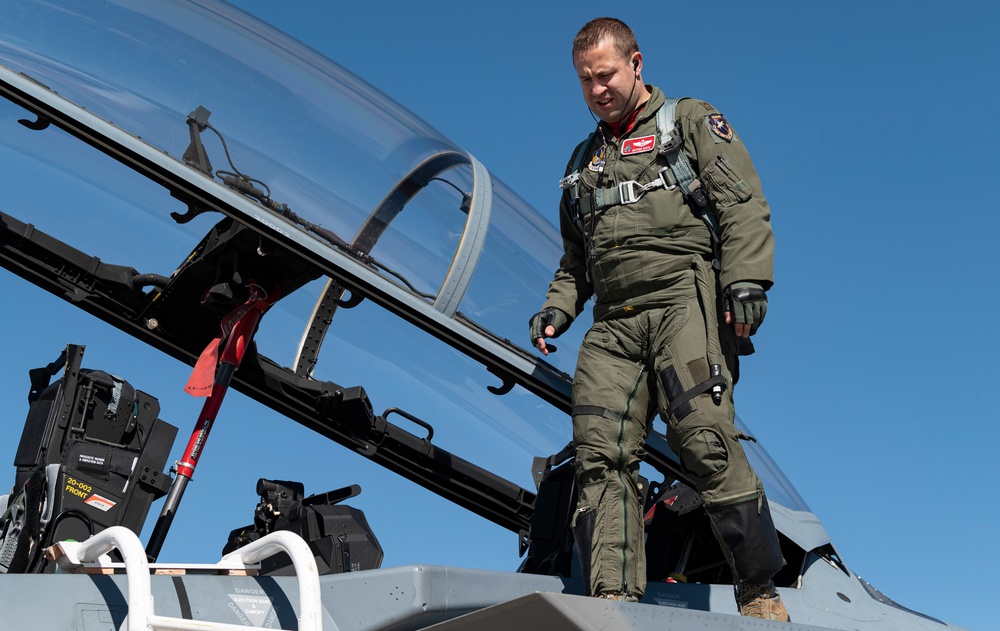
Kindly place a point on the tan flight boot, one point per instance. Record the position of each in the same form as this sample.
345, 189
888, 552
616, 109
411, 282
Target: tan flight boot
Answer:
625, 598
760, 600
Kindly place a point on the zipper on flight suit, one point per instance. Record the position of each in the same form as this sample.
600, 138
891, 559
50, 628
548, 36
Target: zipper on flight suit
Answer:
621, 462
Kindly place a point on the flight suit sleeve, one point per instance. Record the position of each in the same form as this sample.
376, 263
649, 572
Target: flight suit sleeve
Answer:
734, 191
570, 289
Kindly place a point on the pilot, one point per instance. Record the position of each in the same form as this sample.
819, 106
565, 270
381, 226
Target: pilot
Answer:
678, 263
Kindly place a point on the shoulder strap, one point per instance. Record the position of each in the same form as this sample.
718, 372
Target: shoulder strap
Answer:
672, 148
672, 145
581, 154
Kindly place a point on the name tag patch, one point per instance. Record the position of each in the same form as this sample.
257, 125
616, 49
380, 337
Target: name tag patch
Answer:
638, 145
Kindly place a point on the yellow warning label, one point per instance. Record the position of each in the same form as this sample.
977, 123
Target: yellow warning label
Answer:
78, 488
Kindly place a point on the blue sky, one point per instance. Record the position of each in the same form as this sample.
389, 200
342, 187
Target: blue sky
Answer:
873, 127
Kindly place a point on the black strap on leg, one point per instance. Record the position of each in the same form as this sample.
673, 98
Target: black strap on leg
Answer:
701, 388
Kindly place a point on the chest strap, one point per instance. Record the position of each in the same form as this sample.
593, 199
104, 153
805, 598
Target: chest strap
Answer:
627, 192
678, 172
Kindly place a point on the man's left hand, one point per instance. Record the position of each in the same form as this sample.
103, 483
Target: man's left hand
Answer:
746, 306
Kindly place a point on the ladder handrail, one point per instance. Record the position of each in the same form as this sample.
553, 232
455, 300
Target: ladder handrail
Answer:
74, 554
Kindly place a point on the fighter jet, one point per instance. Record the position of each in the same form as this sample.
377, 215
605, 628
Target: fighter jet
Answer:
208, 176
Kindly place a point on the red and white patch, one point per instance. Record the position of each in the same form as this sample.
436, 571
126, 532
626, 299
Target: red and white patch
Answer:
100, 503
638, 145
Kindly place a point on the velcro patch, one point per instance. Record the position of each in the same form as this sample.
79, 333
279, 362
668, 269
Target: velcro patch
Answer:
720, 127
638, 145
597, 160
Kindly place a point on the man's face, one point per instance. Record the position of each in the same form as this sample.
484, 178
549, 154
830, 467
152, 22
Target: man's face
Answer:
611, 85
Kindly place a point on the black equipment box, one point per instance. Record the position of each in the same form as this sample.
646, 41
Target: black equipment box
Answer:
91, 456
339, 536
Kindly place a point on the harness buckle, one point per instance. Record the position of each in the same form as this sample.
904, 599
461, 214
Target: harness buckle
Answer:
627, 191
569, 180
666, 176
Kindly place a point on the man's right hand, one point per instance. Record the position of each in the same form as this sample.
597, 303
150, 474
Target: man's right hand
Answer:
549, 322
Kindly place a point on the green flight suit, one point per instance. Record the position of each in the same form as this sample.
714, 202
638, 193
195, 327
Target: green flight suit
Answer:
658, 330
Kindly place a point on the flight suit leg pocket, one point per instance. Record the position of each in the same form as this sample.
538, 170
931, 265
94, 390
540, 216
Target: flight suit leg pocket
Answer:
681, 364
588, 534
606, 379
704, 453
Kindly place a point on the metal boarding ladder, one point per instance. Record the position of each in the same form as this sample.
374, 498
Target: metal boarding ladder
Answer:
72, 555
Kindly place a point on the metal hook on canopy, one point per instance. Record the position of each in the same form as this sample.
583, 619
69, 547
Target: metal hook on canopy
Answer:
505, 387
38, 124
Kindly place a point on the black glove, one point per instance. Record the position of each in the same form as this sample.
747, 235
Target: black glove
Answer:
747, 301
543, 319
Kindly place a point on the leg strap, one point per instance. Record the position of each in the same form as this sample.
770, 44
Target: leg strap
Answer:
701, 388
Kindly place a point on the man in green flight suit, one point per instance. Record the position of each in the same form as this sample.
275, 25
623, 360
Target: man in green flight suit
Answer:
656, 249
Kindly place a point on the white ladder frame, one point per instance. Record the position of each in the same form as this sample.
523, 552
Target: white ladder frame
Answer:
72, 555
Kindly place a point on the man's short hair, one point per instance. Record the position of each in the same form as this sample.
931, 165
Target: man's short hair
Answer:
599, 29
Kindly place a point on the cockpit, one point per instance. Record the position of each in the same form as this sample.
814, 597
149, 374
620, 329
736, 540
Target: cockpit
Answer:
185, 140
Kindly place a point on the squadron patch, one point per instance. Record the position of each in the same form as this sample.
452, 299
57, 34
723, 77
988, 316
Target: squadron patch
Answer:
720, 127
597, 160
638, 145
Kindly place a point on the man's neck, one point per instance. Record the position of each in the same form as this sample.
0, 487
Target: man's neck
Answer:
625, 125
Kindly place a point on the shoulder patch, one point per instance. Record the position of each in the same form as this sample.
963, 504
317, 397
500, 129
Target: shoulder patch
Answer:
720, 126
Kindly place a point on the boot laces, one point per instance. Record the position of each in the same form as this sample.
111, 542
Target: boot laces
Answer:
760, 600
